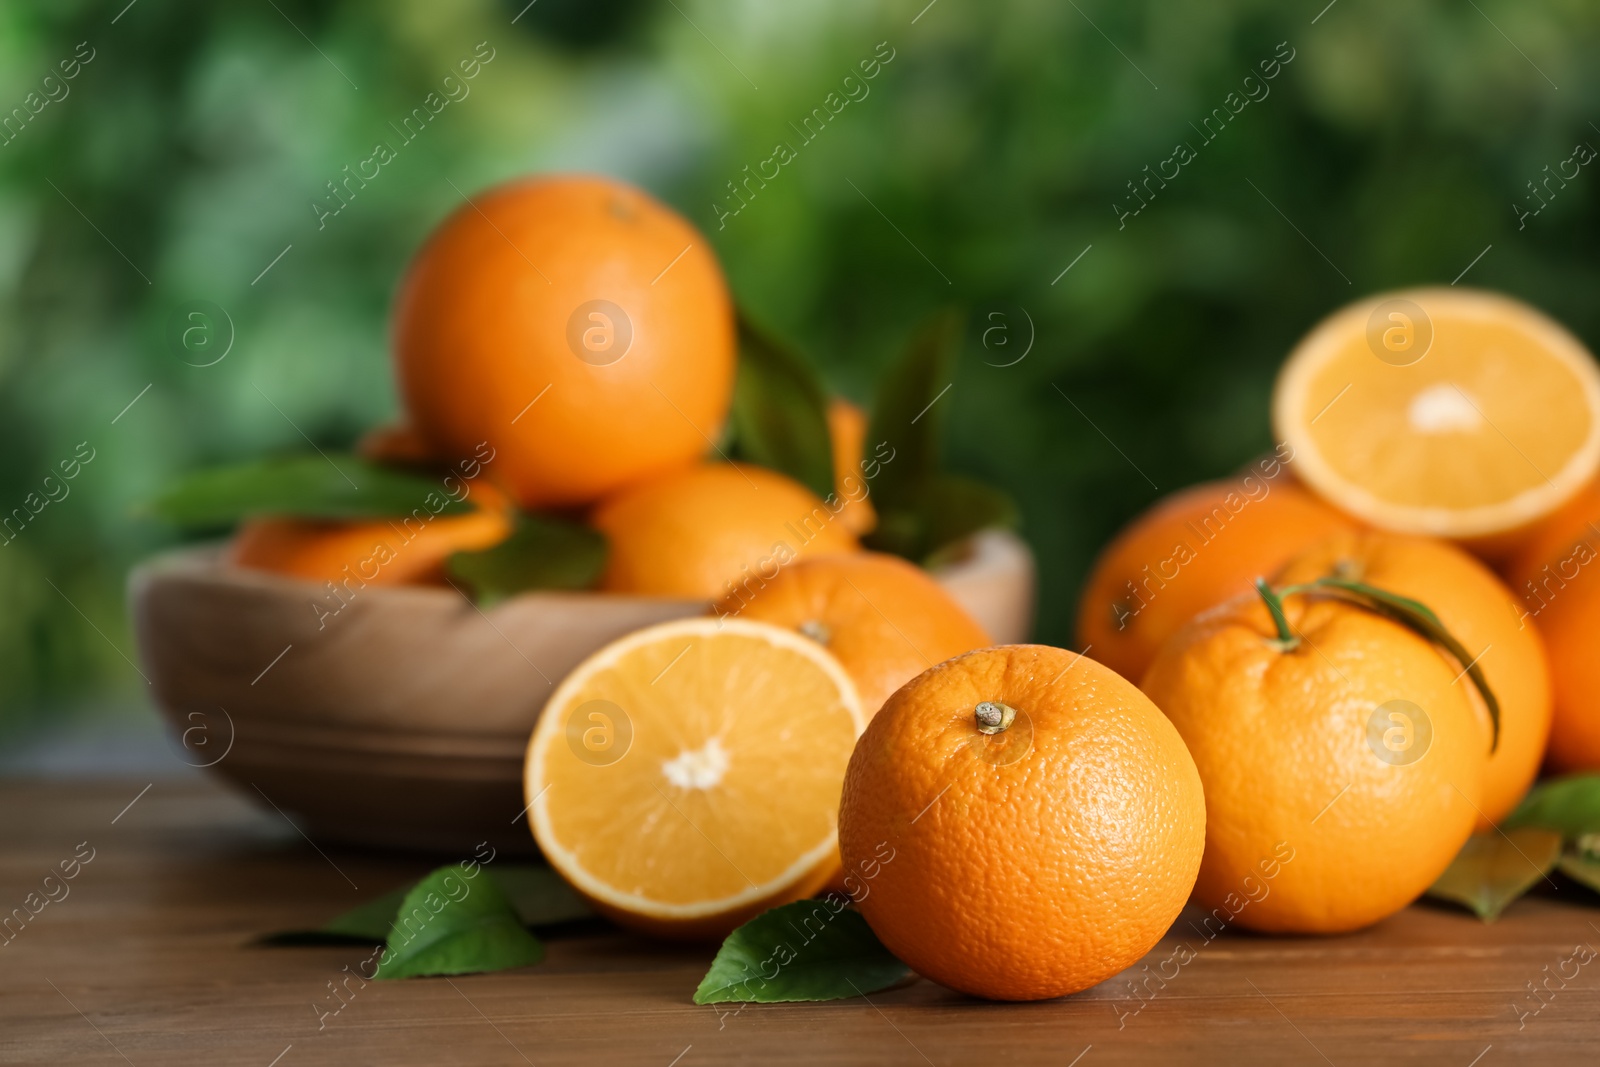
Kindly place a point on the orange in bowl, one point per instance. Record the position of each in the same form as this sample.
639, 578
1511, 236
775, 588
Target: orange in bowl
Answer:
884, 619
575, 324
706, 530
847, 432
399, 551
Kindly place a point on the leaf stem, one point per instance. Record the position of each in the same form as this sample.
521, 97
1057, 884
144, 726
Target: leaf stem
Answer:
1412, 614
1287, 640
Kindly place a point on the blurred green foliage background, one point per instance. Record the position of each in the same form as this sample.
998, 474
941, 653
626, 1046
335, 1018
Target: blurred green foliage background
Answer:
985, 157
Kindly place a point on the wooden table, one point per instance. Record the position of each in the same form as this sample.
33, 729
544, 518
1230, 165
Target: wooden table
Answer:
149, 960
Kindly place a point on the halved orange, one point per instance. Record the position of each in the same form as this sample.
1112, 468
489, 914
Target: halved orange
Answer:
1455, 413
686, 777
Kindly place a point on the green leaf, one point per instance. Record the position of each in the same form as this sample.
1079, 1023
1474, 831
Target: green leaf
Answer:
367, 922
537, 893
364, 924
899, 530
338, 486
453, 923
809, 950
922, 511
1581, 865
1416, 616
543, 552
1569, 805
540, 895
780, 411
955, 507
909, 413
1493, 869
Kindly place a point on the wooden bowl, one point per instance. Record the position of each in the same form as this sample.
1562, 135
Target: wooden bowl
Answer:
401, 720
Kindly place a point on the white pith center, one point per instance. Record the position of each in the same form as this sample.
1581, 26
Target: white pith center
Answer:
701, 768
1443, 408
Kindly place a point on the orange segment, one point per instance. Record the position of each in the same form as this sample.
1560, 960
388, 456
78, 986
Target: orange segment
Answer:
686, 777
1449, 412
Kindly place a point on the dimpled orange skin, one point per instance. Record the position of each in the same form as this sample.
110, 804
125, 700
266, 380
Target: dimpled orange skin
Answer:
699, 531
1556, 579
1480, 612
884, 619
1304, 821
1028, 879
481, 331
1200, 552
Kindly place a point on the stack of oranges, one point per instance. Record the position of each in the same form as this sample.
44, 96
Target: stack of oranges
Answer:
569, 345
1428, 440
1305, 754
575, 339
1331, 635
1302, 689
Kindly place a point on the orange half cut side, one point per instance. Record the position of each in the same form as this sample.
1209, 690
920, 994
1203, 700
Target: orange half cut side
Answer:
687, 776
1452, 413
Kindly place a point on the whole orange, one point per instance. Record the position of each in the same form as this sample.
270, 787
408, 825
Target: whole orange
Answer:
1190, 552
1343, 766
578, 326
404, 550
707, 530
885, 620
1033, 861
1478, 611
1557, 582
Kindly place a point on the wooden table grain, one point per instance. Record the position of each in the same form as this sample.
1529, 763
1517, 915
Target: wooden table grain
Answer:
149, 958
